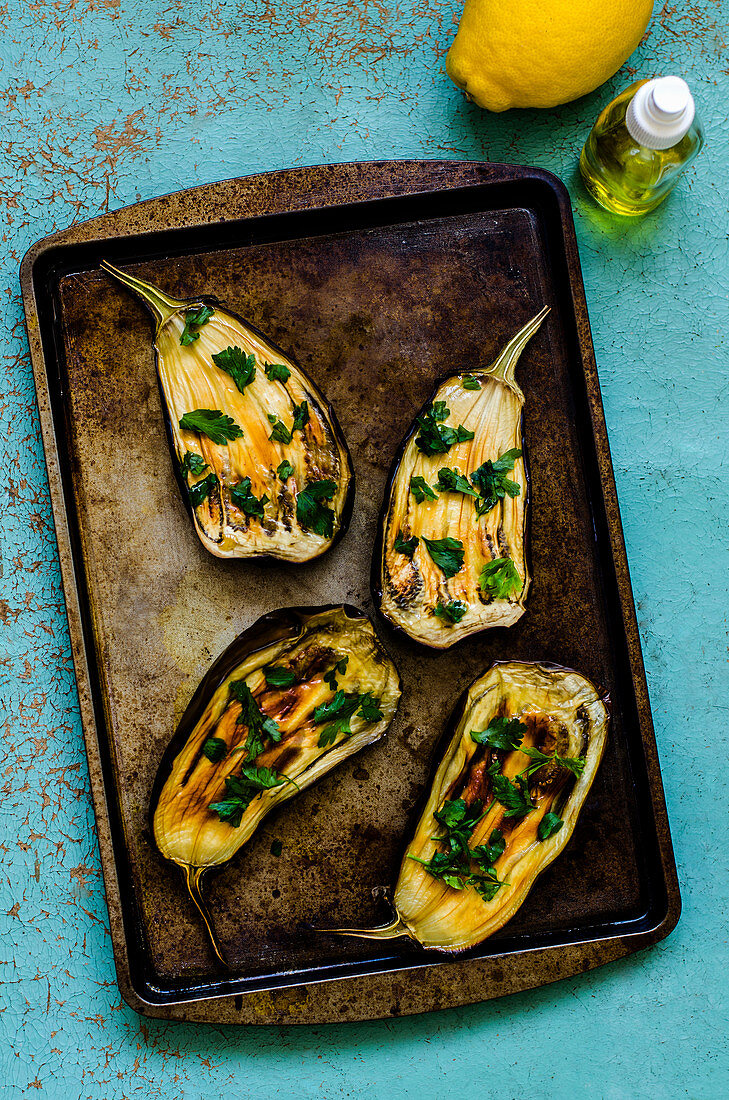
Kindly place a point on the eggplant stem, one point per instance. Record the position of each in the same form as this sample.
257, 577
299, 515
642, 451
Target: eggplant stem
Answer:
162, 306
193, 876
391, 931
504, 366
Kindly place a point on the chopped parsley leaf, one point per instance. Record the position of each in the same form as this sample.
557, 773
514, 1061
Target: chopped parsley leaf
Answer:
447, 554
549, 825
405, 546
331, 676
421, 490
451, 481
240, 367
260, 727
434, 438
280, 433
215, 749
454, 865
277, 372
279, 677
514, 797
241, 495
492, 483
241, 792
201, 490
193, 464
311, 512
301, 417
505, 734
451, 612
285, 470
341, 709
573, 764
469, 382
195, 318
212, 423
500, 578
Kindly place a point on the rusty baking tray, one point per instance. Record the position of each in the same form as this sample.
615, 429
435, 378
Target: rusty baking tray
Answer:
379, 277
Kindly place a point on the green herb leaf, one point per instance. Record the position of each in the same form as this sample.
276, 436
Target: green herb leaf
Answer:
242, 790
421, 490
514, 797
451, 612
451, 481
451, 813
195, 318
280, 433
340, 710
260, 727
500, 578
277, 372
549, 825
193, 464
241, 495
492, 483
369, 708
301, 417
505, 734
447, 554
276, 847
434, 438
311, 513
573, 764
340, 667
470, 383
279, 677
285, 470
454, 865
199, 492
240, 367
215, 749
405, 546
486, 854
212, 423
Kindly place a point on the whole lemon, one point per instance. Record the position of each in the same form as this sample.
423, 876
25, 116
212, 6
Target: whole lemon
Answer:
539, 53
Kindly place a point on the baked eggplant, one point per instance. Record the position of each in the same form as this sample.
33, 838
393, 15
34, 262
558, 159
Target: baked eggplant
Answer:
293, 696
261, 460
504, 802
451, 558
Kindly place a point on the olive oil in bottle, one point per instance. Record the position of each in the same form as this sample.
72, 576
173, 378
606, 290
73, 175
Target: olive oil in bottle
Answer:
640, 145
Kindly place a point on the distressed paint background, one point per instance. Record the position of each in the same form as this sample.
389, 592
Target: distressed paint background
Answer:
105, 102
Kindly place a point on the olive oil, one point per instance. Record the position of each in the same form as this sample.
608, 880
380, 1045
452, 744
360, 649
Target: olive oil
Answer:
640, 145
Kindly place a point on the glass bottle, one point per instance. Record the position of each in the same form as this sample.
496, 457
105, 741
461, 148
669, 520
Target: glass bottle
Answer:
640, 145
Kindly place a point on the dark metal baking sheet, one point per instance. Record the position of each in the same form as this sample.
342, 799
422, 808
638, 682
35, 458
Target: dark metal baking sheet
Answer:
379, 278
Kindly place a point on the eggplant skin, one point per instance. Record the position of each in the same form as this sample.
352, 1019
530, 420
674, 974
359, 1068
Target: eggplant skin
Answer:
446, 919
434, 605
190, 379
186, 827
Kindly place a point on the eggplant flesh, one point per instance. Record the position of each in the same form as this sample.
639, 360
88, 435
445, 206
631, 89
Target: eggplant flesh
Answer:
230, 523
314, 656
564, 716
411, 589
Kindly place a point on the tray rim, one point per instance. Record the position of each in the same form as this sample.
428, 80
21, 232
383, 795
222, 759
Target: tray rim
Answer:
299, 190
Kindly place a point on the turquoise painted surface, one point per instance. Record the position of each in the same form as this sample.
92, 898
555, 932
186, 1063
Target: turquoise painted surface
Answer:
108, 101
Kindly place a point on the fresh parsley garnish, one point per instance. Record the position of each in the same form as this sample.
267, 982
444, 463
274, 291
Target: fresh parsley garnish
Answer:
242, 790
405, 546
301, 417
280, 433
505, 734
492, 483
279, 677
549, 825
451, 481
434, 438
451, 612
195, 318
500, 578
261, 728
212, 423
311, 512
215, 749
340, 667
285, 470
240, 367
339, 711
201, 490
241, 495
277, 372
469, 382
572, 764
447, 554
514, 797
421, 490
193, 464
276, 847
454, 866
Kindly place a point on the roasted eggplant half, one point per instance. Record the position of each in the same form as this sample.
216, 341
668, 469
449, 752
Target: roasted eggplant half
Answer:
504, 802
450, 558
261, 460
295, 695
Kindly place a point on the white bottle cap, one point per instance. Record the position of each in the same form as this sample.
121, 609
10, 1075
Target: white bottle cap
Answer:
660, 113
